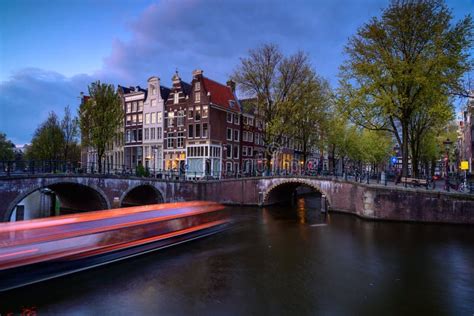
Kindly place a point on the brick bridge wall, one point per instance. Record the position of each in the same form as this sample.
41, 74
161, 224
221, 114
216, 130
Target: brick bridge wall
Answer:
367, 201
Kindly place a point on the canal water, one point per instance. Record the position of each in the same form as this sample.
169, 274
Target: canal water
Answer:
278, 261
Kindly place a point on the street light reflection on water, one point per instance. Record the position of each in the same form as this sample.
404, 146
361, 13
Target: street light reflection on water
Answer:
279, 260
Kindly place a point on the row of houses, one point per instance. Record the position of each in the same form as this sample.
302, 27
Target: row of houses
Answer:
198, 129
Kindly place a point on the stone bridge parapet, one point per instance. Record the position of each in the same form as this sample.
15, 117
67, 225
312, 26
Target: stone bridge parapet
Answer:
367, 201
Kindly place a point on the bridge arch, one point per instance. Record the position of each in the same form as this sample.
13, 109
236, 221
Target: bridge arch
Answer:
141, 194
73, 196
283, 190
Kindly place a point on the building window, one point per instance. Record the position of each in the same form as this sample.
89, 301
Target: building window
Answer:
134, 119
140, 118
176, 97
236, 135
204, 130
197, 86
140, 135
198, 130
249, 152
236, 151
170, 140
152, 133
190, 131
153, 102
244, 136
147, 118
229, 134
170, 119
127, 137
147, 134
250, 137
180, 140
198, 113
140, 106
244, 151
180, 119
153, 118
236, 119
159, 117
190, 113
229, 151
129, 120
153, 90
228, 166
134, 135
134, 106
229, 117
245, 120
129, 107
158, 133
250, 121
197, 97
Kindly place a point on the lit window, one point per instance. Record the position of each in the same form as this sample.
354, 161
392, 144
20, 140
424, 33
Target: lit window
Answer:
140, 118
159, 117
197, 86
147, 118
197, 97
129, 107
198, 113
140, 106
205, 111
204, 130
153, 118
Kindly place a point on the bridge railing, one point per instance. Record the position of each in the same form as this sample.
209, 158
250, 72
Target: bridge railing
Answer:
39, 167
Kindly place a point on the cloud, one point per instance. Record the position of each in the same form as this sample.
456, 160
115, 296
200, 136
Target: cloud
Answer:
30, 94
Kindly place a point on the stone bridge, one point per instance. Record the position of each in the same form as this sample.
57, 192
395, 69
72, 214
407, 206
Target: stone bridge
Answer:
89, 192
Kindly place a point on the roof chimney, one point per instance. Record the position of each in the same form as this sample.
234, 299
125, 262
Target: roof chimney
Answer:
231, 85
197, 72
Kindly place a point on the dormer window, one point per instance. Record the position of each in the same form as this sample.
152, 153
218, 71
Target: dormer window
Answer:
197, 86
176, 97
231, 103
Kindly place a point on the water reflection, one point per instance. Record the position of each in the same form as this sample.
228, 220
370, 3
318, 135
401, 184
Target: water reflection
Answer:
274, 261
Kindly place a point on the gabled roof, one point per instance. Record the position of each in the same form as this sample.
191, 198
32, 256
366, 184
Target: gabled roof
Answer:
186, 87
165, 92
221, 95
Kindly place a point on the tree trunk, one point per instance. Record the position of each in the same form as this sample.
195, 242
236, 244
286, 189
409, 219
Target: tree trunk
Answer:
99, 163
404, 148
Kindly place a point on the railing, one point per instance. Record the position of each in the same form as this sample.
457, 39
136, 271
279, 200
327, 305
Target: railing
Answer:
36, 167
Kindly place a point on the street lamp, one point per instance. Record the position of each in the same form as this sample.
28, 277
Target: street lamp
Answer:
446, 144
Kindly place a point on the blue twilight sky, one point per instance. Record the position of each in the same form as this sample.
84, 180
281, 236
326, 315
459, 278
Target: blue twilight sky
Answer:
51, 50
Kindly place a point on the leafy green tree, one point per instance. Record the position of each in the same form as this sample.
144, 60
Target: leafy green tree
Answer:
100, 118
6, 148
399, 63
48, 140
311, 112
275, 81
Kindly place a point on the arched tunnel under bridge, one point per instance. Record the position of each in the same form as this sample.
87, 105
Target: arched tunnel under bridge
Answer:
58, 199
288, 192
142, 195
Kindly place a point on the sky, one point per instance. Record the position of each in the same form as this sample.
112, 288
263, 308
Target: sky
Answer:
50, 50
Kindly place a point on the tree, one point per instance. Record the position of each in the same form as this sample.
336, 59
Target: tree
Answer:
275, 81
48, 140
100, 117
395, 62
70, 128
311, 111
6, 148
